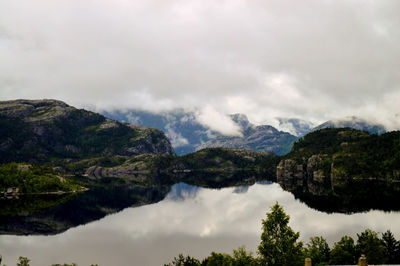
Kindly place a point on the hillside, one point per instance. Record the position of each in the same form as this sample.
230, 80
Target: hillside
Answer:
137, 168
45, 130
338, 155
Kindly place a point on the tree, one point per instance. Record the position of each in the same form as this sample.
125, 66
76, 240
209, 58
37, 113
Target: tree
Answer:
184, 261
392, 247
279, 244
23, 261
318, 250
369, 244
243, 258
218, 259
343, 252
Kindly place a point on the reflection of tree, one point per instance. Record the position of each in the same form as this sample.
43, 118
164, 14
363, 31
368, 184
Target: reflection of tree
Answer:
89, 206
346, 197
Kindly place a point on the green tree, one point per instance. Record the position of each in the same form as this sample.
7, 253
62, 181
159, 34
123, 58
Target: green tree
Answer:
279, 244
23, 261
392, 247
369, 244
184, 261
318, 250
344, 251
243, 258
218, 259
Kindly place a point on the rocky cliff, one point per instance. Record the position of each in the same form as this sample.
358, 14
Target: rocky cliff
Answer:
46, 130
337, 156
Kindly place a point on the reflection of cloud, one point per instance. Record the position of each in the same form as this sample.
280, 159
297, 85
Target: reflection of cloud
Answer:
206, 220
241, 189
182, 191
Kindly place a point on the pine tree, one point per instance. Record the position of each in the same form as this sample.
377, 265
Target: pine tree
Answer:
279, 244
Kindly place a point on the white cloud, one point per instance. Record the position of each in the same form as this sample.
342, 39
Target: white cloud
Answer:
217, 121
316, 60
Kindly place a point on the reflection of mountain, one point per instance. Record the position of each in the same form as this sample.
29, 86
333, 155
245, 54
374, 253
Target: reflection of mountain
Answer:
89, 206
353, 196
53, 214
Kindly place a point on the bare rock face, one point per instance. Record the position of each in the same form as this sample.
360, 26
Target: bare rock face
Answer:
42, 130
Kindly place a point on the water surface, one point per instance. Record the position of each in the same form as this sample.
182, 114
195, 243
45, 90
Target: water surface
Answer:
189, 220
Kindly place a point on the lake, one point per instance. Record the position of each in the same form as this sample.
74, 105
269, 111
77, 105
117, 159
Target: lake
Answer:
181, 219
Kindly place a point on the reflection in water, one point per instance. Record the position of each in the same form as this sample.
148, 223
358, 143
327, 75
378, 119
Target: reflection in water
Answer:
189, 220
52, 214
349, 196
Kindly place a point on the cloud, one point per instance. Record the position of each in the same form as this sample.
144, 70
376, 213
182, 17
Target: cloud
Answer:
217, 121
317, 60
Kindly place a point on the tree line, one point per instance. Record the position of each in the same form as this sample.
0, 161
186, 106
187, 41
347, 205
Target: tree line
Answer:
280, 245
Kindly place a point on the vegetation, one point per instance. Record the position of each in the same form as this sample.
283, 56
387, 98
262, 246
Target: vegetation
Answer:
48, 130
27, 178
351, 153
280, 246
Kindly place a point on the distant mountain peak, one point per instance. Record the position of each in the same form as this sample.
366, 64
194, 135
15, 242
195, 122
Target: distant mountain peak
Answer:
355, 123
295, 126
240, 119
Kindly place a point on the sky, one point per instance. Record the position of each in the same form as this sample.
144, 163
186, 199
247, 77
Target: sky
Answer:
314, 60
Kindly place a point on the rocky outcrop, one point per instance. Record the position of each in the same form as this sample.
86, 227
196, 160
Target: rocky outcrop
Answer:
43, 130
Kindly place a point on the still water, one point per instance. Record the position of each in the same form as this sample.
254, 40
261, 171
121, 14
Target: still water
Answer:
189, 220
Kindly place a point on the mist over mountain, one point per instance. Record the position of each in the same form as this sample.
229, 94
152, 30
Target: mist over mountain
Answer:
258, 138
295, 126
187, 133
355, 123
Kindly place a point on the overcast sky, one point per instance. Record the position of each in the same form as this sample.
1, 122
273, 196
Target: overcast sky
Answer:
314, 60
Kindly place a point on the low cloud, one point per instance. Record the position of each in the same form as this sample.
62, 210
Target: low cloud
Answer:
317, 60
217, 121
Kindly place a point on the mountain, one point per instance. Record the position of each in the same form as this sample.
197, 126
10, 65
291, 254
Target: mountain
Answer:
344, 170
337, 156
295, 126
47, 130
355, 123
188, 135
257, 138
181, 127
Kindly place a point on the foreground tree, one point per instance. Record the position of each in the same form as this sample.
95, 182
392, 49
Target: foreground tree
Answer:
392, 247
317, 250
23, 261
184, 261
241, 257
344, 251
369, 244
279, 244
